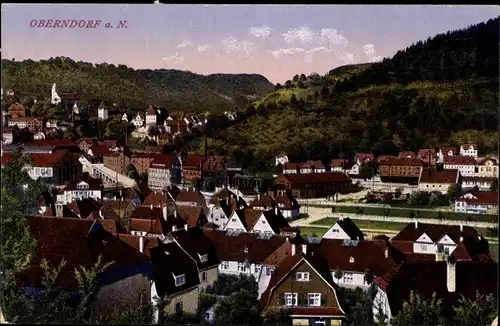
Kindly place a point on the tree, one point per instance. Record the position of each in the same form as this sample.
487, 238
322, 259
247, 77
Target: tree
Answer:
301, 84
481, 310
419, 311
276, 316
368, 276
208, 184
288, 84
239, 308
453, 191
303, 77
419, 198
278, 86
338, 273
295, 78
131, 172
359, 304
494, 185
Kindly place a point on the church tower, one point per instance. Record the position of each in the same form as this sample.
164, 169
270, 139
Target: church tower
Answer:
55, 97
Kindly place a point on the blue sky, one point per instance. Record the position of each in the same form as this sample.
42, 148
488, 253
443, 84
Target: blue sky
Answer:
275, 41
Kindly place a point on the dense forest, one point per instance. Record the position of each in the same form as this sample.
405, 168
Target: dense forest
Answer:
133, 89
443, 91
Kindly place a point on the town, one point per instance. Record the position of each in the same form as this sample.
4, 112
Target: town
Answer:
180, 178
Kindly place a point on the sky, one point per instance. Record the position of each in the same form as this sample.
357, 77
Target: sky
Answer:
275, 41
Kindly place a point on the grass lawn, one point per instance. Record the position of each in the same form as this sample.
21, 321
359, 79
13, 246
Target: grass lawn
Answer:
311, 231
364, 224
412, 213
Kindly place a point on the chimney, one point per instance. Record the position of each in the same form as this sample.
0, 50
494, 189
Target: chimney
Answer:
175, 212
276, 210
114, 198
451, 274
186, 226
174, 227
293, 249
461, 233
304, 249
416, 224
151, 206
386, 253
258, 196
287, 238
227, 200
141, 243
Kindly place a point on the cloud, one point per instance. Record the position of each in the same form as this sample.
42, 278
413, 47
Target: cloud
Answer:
175, 59
262, 32
203, 48
303, 34
184, 44
308, 56
289, 51
331, 37
347, 57
369, 50
232, 45
376, 58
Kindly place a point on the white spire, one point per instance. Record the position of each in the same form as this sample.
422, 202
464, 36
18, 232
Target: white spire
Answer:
55, 97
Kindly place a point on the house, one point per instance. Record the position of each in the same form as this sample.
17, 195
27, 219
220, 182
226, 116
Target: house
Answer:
124, 117
433, 240
468, 150
399, 169
288, 206
482, 183
39, 135
17, 110
222, 208
263, 202
80, 242
342, 165
138, 121
102, 112
428, 156
201, 250
193, 215
256, 221
159, 176
176, 277
437, 180
487, 167
84, 187
410, 154
151, 116
466, 165
478, 202
55, 168
344, 229
85, 144
7, 136
177, 126
191, 197
80, 207
31, 123
450, 281
191, 168
162, 198
448, 151
124, 208
363, 158
313, 185
302, 283
349, 261
304, 168
281, 159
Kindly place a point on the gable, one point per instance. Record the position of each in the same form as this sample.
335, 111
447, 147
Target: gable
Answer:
468, 196
424, 238
446, 240
262, 225
335, 232
234, 222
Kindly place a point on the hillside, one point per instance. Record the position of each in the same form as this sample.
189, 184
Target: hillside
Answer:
172, 89
440, 91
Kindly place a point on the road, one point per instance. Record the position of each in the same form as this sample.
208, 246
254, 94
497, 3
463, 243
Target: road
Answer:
333, 204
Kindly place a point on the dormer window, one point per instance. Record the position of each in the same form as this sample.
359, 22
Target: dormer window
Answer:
302, 276
180, 280
351, 259
203, 258
245, 250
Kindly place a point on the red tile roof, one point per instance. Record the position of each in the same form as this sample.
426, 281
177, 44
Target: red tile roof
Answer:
459, 160
315, 178
479, 179
41, 159
480, 197
486, 159
162, 162
445, 150
362, 157
50, 142
193, 215
134, 242
339, 162
151, 110
151, 226
424, 152
194, 161
189, 195
401, 161
264, 201
407, 155
466, 146
99, 150
94, 183
315, 311
434, 176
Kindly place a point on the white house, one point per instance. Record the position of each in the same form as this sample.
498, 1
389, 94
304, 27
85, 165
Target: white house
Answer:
288, 206
483, 183
437, 180
75, 108
478, 202
344, 229
55, 99
86, 187
466, 165
138, 121
7, 137
125, 117
487, 167
102, 112
468, 150
256, 221
159, 176
281, 159
151, 116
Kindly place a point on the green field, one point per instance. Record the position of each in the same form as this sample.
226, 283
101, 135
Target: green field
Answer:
311, 231
364, 224
410, 213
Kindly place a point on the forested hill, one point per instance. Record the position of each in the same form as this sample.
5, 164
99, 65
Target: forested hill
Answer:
442, 91
172, 89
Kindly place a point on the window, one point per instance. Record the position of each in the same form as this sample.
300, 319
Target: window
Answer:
180, 280
302, 276
314, 299
268, 271
203, 258
423, 247
233, 220
241, 267
257, 269
225, 265
348, 277
290, 299
335, 230
178, 306
203, 276
319, 323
